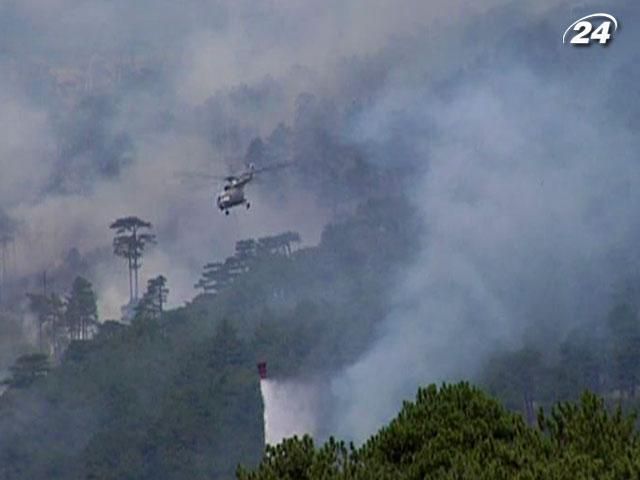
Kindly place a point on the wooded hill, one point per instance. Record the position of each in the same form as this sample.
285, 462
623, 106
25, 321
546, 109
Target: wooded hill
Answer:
176, 395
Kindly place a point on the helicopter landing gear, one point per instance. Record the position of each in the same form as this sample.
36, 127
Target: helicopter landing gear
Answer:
248, 205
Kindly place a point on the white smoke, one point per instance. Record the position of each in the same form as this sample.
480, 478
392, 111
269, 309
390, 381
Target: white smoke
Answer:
290, 408
222, 69
527, 213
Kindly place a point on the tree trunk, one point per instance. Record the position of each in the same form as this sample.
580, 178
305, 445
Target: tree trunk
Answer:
40, 322
130, 280
135, 261
135, 274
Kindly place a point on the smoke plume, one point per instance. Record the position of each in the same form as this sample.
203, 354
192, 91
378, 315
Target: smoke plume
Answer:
520, 153
527, 196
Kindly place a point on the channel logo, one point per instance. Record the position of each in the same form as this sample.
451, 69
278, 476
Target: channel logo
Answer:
585, 33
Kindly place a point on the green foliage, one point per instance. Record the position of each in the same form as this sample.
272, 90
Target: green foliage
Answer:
152, 303
129, 243
587, 439
457, 431
199, 422
64, 320
82, 312
249, 255
298, 459
217, 276
27, 369
176, 395
603, 358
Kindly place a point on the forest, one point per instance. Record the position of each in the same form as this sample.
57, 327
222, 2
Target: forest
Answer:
458, 431
449, 262
175, 394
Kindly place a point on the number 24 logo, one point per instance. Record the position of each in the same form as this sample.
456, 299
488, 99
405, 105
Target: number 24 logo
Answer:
584, 27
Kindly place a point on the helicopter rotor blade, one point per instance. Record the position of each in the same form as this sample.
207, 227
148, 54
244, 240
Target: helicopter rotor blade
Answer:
195, 178
199, 176
272, 167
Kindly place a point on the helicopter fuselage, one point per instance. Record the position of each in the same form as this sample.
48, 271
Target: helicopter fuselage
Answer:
230, 197
232, 194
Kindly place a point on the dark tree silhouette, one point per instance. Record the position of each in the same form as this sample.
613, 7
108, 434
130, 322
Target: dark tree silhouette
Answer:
55, 320
153, 301
50, 313
158, 291
246, 251
82, 312
8, 228
27, 369
39, 305
278, 244
218, 276
129, 243
288, 238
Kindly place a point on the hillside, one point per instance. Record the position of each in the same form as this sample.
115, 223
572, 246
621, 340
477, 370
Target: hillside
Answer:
177, 397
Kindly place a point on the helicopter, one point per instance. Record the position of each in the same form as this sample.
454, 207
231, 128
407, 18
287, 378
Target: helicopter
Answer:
232, 193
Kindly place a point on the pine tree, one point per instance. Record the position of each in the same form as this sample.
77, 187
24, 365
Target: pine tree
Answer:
129, 243
82, 312
154, 299
27, 369
218, 276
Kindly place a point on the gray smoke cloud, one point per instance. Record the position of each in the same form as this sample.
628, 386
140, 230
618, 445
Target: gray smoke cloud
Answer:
530, 160
521, 152
103, 103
